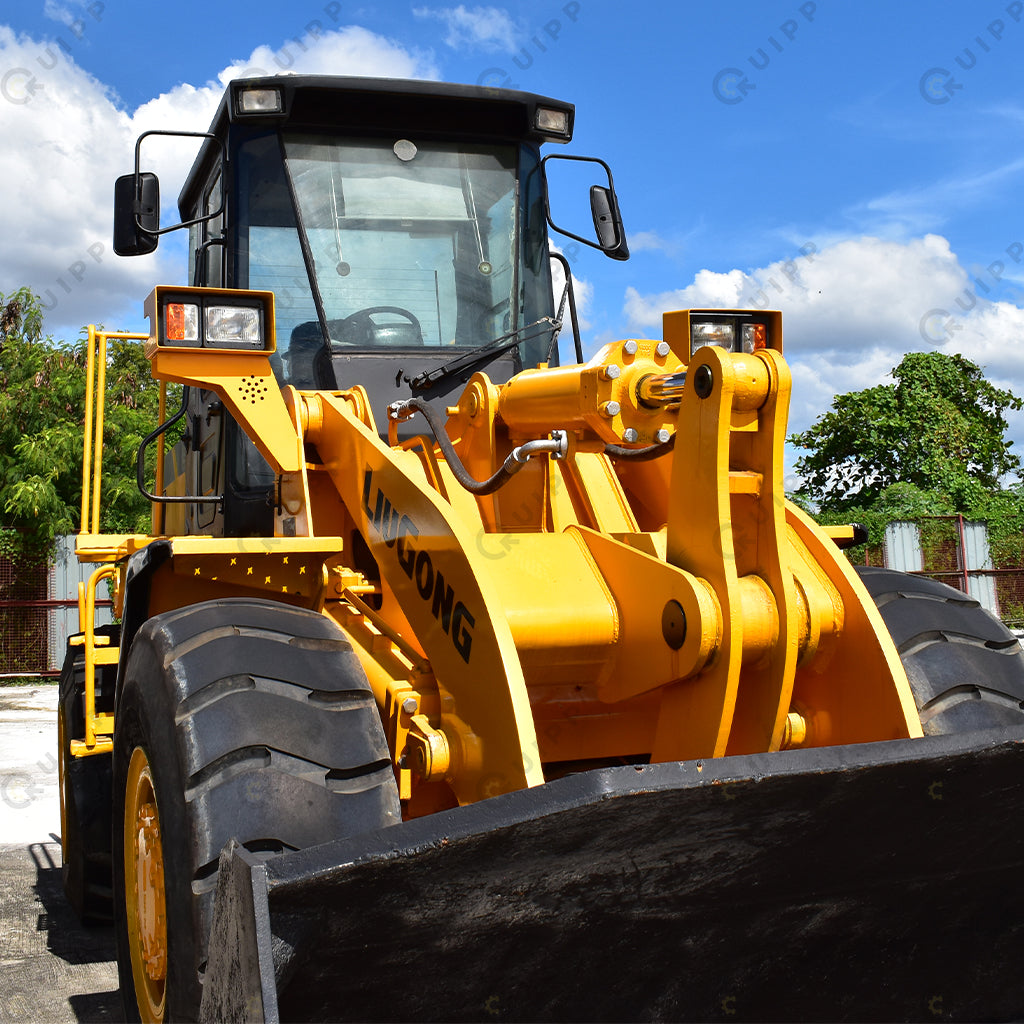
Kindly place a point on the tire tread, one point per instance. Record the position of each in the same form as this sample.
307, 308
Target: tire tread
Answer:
965, 667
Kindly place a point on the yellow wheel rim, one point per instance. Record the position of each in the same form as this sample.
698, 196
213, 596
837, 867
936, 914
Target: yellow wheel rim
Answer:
145, 905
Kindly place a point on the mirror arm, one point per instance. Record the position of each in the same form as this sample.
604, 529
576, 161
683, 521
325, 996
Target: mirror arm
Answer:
138, 180
616, 251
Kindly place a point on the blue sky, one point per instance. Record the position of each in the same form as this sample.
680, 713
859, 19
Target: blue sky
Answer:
857, 165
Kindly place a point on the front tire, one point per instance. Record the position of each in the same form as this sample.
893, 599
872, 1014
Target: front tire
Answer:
965, 667
240, 719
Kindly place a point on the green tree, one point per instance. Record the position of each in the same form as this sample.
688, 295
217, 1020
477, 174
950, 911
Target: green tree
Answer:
42, 416
940, 427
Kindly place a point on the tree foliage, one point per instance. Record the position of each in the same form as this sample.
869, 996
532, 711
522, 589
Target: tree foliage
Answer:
939, 427
42, 417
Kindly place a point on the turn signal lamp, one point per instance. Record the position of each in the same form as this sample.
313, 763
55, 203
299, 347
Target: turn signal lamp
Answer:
181, 322
754, 337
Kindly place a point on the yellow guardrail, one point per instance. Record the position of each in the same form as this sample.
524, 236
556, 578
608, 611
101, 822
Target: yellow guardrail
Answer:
95, 392
99, 727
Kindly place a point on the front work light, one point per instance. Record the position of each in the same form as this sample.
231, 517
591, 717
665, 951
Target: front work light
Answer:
218, 318
734, 333
721, 335
232, 325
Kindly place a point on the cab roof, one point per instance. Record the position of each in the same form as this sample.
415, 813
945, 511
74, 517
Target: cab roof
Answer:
385, 106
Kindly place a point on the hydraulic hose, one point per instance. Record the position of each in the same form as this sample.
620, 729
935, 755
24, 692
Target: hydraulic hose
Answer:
518, 458
640, 454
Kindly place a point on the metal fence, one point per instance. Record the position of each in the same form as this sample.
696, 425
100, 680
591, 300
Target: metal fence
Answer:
39, 611
39, 602
956, 552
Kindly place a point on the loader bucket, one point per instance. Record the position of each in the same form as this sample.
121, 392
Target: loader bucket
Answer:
874, 882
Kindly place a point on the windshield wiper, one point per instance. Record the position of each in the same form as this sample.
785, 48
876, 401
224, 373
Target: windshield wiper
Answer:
428, 378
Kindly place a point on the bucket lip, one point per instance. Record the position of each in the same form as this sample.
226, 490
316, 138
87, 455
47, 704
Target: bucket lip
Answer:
599, 785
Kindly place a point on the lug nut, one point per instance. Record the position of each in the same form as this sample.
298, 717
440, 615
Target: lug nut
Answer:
662, 349
630, 436
610, 409
630, 348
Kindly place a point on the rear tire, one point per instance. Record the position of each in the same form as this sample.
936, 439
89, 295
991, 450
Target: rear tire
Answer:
254, 721
85, 789
965, 667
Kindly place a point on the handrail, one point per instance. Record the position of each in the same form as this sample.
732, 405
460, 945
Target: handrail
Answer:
98, 727
92, 434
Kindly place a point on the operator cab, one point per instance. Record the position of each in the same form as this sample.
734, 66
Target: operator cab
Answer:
402, 227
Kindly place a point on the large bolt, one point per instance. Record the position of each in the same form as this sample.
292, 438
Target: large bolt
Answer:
704, 381
630, 436
610, 409
662, 436
610, 372
673, 625
630, 348
662, 349
409, 705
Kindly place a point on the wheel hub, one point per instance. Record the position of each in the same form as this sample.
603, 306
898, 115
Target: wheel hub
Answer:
145, 900
150, 892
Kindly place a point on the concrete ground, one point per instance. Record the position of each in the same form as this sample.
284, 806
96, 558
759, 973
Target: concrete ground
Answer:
51, 968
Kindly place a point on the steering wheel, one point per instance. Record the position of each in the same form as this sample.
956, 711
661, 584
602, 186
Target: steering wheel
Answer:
360, 330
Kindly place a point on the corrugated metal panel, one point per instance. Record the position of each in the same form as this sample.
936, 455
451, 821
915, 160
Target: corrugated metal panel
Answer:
976, 556
902, 547
65, 575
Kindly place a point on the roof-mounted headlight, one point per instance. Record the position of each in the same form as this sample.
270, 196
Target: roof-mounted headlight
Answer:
258, 101
553, 121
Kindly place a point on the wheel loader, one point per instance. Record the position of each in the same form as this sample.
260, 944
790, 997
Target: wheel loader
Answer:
454, 682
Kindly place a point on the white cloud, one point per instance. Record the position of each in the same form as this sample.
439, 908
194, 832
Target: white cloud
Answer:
915, 211
67, 137
853, 309
484, 28
348, 51
651, 241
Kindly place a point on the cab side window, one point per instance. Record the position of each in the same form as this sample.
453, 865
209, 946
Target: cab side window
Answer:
213, 229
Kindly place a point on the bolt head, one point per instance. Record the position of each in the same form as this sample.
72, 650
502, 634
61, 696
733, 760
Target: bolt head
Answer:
409, 705
611, 372
630, 348
662, 349
630, 436
662, 436
610, 409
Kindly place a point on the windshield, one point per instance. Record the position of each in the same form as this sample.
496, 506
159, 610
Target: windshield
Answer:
413, 246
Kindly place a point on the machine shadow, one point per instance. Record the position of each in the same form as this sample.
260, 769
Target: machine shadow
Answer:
68, 938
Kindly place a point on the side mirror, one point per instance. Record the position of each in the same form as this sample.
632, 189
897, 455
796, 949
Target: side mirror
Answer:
604, 206
608, 222
136, 214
